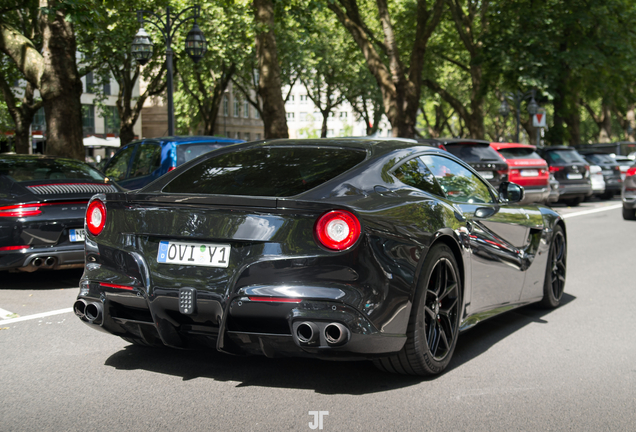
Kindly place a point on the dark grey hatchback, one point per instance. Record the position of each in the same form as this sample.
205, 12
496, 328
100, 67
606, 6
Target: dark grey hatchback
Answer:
571, 171
611, 172
479, 155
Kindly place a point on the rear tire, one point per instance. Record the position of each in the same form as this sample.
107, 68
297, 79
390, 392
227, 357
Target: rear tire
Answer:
555, 271
434, 324
629, 214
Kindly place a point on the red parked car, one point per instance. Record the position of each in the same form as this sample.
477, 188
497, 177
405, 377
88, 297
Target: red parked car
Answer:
527, 169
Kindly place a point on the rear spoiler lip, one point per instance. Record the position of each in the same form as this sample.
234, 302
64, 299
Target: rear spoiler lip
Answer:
229, 200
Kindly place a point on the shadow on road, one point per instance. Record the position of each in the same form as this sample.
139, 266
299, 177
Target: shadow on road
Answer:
325, 377
41, 279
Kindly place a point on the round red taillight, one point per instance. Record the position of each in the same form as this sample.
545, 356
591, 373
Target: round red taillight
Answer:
337, 229
96, 217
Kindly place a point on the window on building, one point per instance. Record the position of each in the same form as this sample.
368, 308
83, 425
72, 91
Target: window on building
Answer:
258, 136
237, 108
330, 133
228, 134
39, 121
303, 116
342, 132
256, 114
238, 135
88, 119
290, 99
246, 136
290, 115
226, 105
111, 120
246, 109
343, 114
332, 114
107, 88
303, 99
90, 85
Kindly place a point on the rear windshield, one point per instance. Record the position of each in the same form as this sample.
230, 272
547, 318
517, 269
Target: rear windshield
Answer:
187, 152
563, 157
473, 153
269, 171
519, 153
30, 169
601, 159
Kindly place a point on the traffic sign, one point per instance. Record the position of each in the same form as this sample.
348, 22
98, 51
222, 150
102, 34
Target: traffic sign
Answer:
539, 120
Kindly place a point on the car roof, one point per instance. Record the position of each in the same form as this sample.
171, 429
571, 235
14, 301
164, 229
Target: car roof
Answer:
468, 141
375, 146
500, 145
36, 157
178, 140
558, 148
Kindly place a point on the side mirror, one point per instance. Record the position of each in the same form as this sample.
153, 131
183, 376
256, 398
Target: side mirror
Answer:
511, 192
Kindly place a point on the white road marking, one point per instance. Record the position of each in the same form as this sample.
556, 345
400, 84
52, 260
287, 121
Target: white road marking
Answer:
597, 210
36, 316
4, 314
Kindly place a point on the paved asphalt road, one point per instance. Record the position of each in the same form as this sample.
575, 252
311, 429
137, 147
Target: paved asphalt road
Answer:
573, 368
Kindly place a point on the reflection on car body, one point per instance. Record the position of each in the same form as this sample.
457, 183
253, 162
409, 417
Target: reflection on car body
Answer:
338, 249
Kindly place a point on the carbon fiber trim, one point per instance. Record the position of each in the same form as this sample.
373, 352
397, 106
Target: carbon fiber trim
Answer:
61, 188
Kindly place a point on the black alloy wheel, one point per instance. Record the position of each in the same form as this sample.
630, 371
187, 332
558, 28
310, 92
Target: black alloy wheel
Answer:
554, 285
434, 325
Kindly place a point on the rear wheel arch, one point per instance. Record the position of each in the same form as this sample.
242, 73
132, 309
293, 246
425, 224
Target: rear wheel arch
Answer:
456, 249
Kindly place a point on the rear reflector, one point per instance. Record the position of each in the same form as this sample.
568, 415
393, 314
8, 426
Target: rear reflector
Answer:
12, 248
556, 168
109, 285
275, 299
630, 172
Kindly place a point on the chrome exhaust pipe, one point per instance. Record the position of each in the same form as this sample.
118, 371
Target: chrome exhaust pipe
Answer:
50, 261
37, 262
307, 333
94, 312
79, 307
336, 334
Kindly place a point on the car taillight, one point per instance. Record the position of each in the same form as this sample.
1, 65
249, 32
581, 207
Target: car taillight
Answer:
337, 229
631, 172
554, 169
21, 210
96, 217
12, 248
514, 172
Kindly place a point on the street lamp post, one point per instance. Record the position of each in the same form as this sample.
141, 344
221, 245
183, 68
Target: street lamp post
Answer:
168, 24
517, 98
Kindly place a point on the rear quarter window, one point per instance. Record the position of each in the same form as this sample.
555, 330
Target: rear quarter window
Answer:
33, 169
266, 171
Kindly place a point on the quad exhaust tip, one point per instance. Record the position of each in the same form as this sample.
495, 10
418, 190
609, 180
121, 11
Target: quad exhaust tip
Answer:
333, 334
92, 312
307, 333
336, 334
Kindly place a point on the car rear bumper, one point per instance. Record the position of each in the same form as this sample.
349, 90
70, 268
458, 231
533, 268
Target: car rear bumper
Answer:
535, 195
52, 258
567, 191
243, 325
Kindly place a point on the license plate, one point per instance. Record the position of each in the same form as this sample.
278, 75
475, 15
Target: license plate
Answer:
76, 235
529, 173
486, 174
197, 254
575, 176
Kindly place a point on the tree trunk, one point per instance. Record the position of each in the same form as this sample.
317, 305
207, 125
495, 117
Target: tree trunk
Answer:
61, 87
269, 85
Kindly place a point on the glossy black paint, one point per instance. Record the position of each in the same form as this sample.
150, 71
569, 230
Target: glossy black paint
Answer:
501, 249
